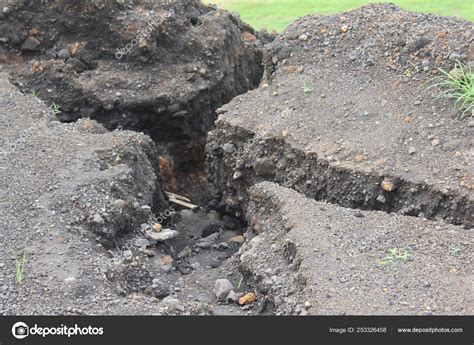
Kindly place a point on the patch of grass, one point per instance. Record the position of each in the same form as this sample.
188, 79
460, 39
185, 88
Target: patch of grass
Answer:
307, 88
455, 250
20, 266
278, 14
394, 255
240, 282
56, 109
115, 161
458, 84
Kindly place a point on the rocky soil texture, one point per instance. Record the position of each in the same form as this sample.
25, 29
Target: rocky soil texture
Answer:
345, 115
332, 182
312, 257
161, 70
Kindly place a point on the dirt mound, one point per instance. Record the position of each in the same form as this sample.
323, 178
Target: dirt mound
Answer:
162, 70
362, 135
88, 206
65, 189
309, 257
385, 35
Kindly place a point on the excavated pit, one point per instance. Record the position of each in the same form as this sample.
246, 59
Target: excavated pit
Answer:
195, 60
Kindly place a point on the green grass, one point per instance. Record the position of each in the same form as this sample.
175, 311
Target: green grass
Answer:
458, 84
56, 109
21, 266
278, 14
394, 255
307, 88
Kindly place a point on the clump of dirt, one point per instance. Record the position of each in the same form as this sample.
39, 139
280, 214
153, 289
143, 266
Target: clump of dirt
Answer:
161, 70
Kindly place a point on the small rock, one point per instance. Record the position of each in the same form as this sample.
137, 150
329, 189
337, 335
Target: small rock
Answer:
166, 260
157, 227
160, 289
387, 185
147, 252
303, 38
64, 54
457, 154
98, 219
145, 209
222, 287
229, 148
185, 252
238, 239
435, 142
128, 255
344, 28
412, 150
203, 244
232, 297
207, 241
143, 44
30, 44
299, 308
470, 123
163, 235
248, 37
173, 304
142, 242
119, 204
381, 198
196, 265
77, 64
248, 298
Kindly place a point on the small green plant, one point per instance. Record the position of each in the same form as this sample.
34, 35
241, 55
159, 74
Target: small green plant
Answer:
240, 282
307, 88
55, 108
394, 255
35, 94
21, 266
455, 250
458, 85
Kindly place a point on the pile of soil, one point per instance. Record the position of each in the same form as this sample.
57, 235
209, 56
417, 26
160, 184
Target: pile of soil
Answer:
161, 69
84, 203
313, 258
345, 116
335, 127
